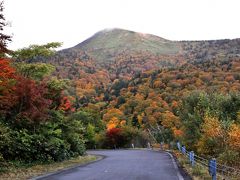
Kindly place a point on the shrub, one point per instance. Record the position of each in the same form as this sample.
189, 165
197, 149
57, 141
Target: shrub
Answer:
115, 138
230, 157
100, 139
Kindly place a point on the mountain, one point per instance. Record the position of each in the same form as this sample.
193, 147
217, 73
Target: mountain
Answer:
171, 90
106, 44
124, 53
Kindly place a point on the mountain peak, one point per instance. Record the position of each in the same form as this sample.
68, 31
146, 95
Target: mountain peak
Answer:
106, 30
112, 41
124, 31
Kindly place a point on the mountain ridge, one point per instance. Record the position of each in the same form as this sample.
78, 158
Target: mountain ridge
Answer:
125, 53
115, 41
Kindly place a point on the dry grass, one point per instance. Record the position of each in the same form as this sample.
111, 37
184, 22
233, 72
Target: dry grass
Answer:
36, 170
198, 172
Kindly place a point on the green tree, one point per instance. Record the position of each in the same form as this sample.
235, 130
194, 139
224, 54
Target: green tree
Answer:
34, 53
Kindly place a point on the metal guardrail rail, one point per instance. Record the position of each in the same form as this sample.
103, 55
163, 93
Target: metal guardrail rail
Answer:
215, 169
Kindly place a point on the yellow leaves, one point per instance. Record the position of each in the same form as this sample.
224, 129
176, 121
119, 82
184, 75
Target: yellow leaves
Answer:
170, 120
212, 127
140, 118
234, 137
213, 135
151, 120
198, 82
113, 112
216, 135
114, 117
123, 123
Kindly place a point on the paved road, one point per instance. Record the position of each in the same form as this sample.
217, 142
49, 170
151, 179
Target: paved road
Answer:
124, 165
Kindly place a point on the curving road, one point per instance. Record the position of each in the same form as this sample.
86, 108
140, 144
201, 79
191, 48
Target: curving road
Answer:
124, 165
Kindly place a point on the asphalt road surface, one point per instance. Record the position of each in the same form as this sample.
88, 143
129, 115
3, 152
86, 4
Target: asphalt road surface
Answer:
124, 165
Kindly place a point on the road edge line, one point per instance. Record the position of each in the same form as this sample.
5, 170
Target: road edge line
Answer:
180, 177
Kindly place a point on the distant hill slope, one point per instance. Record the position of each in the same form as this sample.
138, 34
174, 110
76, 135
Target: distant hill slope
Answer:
106, 44
125, 53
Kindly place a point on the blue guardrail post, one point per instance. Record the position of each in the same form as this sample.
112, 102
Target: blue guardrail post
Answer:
213, 168
183, 149
191, 157
214, 176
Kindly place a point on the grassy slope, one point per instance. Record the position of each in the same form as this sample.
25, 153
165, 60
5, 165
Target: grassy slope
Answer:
105, 44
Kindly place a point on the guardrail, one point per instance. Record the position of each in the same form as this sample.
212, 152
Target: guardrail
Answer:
215, 169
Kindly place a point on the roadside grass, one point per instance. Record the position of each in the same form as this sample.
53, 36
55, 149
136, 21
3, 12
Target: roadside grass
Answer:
22, 172
198, 172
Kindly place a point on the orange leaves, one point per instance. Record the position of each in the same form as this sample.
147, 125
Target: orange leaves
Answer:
115, 122
112, 123
177, 132
158, 84
234, 137
174, 104
114, 118
229, 78
6, 71
86, 85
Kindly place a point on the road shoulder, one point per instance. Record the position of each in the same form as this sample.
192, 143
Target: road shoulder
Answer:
98, 158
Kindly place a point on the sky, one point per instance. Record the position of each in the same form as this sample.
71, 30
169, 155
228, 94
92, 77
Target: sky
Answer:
73, 21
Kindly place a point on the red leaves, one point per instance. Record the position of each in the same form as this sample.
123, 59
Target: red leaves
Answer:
7, 81
113, 132
20, 95
66, 104
6, 71
32, 103
115, 137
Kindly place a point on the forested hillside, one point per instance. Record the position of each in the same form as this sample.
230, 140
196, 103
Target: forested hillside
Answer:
116, 89
168, 90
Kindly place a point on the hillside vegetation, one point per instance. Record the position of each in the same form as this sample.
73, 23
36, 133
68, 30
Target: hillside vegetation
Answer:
119, 88
106, 44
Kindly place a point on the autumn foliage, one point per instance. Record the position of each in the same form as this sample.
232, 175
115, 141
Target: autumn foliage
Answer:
115, 137
7, 85
51, 112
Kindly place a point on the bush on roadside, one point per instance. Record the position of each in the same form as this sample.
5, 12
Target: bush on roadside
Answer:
55, 140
